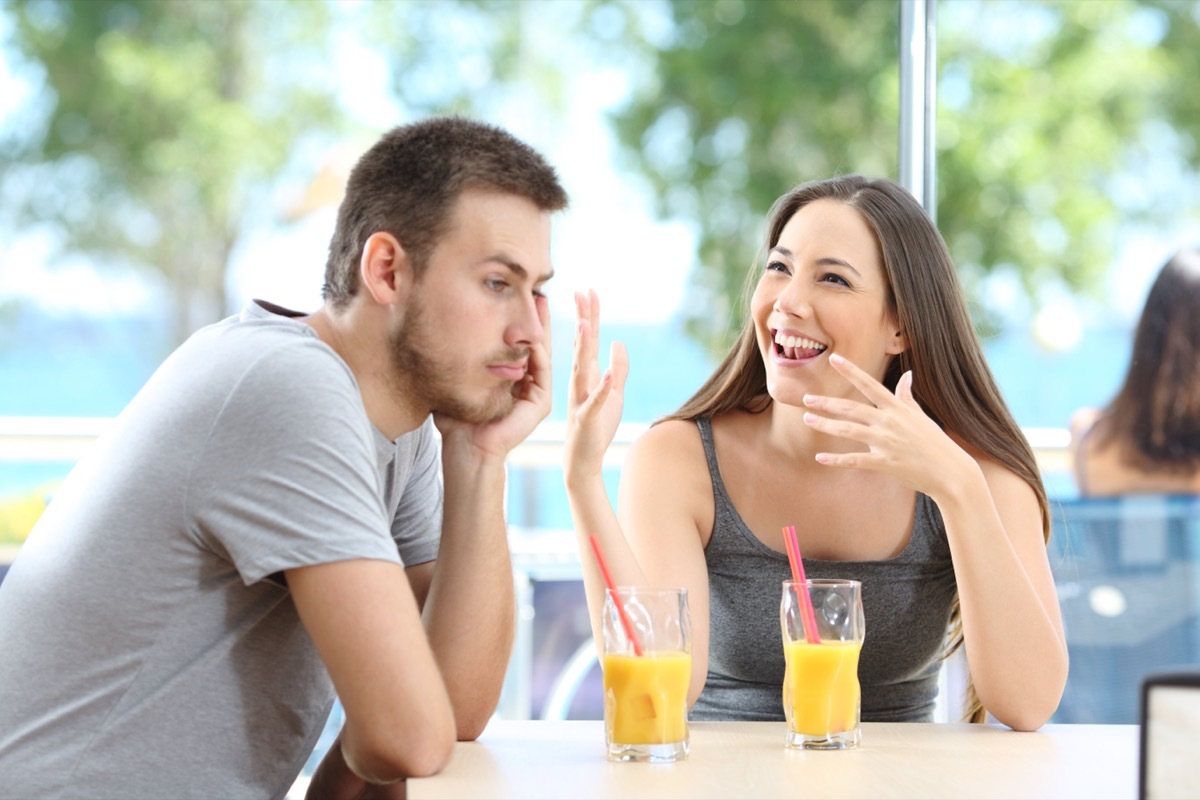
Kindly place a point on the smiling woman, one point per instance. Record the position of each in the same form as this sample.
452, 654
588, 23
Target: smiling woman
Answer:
886, 443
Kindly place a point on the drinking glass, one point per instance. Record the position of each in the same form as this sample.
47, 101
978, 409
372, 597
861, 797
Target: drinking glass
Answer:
821, 695
645, 695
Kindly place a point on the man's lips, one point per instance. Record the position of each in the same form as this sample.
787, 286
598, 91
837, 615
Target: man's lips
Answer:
509, 372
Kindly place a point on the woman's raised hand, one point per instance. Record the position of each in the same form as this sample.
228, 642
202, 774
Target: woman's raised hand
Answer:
902, 440
594, 399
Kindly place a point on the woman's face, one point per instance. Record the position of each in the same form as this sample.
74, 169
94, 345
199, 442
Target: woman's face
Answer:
822, 290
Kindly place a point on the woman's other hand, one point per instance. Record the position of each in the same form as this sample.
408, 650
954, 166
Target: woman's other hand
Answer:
594, 399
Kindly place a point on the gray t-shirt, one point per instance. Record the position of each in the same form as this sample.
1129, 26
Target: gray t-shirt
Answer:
148, 644
906, 604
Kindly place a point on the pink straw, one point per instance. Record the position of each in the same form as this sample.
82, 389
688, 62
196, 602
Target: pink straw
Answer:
807, 618
612, 587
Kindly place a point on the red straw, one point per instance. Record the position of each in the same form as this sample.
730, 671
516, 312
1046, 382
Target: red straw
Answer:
807, 618
612, 587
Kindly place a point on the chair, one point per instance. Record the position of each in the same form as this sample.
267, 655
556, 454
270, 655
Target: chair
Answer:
1127, 570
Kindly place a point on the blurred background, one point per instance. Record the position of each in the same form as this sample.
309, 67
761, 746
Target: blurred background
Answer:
162, 162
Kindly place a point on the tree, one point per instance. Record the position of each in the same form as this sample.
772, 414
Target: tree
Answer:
1036, 130
164, 120
161, 124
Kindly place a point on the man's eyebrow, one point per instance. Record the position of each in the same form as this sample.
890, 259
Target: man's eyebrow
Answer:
515, 267
825, 260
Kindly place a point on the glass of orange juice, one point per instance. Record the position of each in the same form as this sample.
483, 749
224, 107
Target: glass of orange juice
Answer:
821, 645
647, 668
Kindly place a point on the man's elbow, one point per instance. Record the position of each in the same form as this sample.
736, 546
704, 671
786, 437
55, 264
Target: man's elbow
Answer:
470, 726
415, 752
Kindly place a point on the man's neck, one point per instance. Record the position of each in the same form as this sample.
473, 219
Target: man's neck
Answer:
362, 344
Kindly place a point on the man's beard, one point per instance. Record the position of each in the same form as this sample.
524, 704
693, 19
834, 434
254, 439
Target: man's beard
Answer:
414, 358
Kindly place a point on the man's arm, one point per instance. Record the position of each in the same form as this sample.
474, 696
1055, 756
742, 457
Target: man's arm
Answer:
363, 618
467, 594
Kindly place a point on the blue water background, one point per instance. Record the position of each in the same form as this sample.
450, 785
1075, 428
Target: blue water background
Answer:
88, 366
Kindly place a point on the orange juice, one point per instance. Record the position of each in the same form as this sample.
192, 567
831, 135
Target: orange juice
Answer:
820, 686
645, 697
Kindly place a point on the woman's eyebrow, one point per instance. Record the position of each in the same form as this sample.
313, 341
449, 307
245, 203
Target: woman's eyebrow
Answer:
824, 261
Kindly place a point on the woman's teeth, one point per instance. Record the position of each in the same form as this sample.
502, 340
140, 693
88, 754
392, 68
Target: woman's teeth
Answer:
797, 346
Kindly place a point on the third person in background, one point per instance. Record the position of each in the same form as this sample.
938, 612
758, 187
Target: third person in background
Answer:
1147, 439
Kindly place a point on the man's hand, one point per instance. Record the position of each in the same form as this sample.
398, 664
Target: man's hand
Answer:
532, 397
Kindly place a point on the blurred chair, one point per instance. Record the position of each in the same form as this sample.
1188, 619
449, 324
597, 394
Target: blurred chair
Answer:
1127, 570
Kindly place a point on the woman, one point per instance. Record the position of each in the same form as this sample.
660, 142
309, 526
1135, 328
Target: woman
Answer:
1148, 437
856, 405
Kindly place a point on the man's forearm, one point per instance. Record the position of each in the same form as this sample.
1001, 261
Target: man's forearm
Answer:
470, 612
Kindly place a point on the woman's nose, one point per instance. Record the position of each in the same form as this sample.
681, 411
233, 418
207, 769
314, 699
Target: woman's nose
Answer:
794, 298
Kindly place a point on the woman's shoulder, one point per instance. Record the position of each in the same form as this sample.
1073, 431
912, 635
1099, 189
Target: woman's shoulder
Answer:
668, 453
669, 440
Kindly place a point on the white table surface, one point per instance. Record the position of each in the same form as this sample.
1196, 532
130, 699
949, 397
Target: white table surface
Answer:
565, 759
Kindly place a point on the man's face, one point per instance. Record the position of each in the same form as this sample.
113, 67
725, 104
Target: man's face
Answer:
463, 342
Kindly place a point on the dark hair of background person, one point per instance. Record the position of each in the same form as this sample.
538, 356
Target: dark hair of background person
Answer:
951, 379
1154, 418
408, 183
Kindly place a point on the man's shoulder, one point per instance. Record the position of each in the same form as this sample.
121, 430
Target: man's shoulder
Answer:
285, 348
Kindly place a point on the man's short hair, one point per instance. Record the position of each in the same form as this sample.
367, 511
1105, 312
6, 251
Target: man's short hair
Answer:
408, 182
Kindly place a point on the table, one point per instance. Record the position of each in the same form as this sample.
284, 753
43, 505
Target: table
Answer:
565, 759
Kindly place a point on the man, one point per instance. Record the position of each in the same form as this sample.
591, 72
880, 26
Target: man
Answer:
275, 518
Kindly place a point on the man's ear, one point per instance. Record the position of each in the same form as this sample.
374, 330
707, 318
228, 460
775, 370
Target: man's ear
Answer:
385, 269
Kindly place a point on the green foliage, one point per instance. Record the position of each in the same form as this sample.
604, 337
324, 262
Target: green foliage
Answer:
472, 57
1031, 154
162, 123
1043, 116
747, 99
165, 118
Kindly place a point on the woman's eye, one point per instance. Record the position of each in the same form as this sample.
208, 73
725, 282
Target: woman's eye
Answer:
834, 278
777, 266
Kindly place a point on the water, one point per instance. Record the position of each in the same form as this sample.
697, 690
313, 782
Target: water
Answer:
91, 367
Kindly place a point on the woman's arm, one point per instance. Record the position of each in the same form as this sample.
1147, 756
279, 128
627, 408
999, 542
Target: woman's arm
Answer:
1012, 628
656, 541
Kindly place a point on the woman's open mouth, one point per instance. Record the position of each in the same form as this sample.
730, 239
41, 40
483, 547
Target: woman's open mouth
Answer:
796, 348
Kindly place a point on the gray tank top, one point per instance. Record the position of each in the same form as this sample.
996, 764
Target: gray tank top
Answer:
906, 603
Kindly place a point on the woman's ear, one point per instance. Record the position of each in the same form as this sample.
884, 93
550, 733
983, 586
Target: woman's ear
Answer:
898, 342
384, 269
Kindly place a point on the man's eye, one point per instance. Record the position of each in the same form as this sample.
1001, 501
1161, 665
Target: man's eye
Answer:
496, 284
